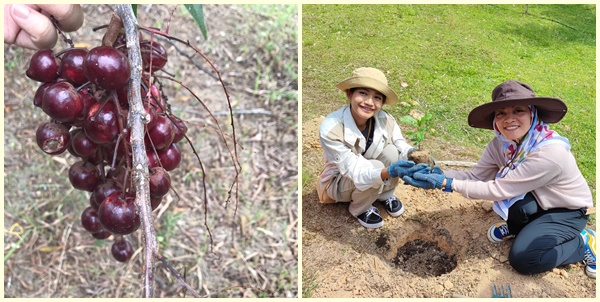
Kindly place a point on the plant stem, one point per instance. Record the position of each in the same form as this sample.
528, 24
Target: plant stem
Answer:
136, 120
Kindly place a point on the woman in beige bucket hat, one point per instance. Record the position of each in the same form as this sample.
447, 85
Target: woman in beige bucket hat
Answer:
364, 150
533, 177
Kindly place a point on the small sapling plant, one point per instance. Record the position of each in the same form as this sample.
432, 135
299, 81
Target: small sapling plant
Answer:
421, 122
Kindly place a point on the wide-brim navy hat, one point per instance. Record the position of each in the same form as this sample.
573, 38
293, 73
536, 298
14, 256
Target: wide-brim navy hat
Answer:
514, 93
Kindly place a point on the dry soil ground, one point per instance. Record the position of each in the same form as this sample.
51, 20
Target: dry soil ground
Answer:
49, 254
437, 248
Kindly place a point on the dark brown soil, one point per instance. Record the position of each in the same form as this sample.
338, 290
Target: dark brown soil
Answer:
421, 156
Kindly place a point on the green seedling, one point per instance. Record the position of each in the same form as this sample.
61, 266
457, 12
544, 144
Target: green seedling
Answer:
421, 122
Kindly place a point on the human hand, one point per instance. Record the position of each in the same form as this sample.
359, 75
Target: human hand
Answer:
425, 181
30, 26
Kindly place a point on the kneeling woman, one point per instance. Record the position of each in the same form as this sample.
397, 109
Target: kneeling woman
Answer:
531, 173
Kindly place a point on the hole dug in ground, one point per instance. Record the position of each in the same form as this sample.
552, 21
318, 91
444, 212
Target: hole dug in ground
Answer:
420, 252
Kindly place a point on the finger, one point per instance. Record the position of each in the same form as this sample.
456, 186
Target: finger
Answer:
409, 181
69, 16
37, 32
407, 164
420, 168
420, 176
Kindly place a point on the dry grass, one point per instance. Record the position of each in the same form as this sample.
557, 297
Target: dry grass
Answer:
254, 250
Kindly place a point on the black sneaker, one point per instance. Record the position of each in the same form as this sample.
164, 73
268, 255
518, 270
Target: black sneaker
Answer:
393, 206
371, 218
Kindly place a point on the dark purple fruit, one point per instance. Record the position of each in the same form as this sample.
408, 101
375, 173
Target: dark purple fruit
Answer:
154, 52
101, 123
90, 220
43, 66
104, 190
84, 176
161, 135
118, 214
39, 94
83, 146
120, 176
180, 129
121, 250
160, 182
62, 102
88, 100
53, 138
170, 157
153, 160
71, 66
108, 151
106, 67
103, 234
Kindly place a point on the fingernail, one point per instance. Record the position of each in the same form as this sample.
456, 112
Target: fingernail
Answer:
20, 11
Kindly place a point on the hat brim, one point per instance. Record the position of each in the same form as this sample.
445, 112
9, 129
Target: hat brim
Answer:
354, 82
550, 110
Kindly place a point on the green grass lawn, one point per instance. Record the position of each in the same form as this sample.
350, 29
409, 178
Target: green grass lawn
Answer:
452, 56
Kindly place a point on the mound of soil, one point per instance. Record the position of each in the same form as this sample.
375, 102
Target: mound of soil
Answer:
437, 248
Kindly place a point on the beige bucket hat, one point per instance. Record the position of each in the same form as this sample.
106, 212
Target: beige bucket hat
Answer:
369, 77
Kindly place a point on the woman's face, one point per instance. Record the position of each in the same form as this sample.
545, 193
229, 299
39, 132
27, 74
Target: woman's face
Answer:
364, 103
513, 122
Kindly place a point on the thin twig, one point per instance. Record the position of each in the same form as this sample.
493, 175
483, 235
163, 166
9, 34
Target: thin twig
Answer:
235, 158
136, 120
176, 274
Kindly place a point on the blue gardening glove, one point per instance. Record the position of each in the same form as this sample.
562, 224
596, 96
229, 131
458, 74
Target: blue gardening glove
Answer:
418, 168
436, 170
406, 168
400, 168
425, 181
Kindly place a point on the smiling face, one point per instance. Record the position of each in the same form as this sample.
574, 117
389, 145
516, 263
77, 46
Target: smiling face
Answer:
364, 103
513, 122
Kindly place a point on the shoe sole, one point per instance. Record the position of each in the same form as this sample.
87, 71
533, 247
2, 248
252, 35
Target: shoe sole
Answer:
371, 225
490, 236
397, 213
590, 273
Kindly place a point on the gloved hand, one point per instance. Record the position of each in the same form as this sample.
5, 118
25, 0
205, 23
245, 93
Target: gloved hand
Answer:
425, 181
436, 170
400, 168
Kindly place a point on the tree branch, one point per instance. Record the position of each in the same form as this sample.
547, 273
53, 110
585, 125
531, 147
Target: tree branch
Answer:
137, 118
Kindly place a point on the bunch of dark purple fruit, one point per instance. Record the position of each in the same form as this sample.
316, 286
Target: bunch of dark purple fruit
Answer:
84, 93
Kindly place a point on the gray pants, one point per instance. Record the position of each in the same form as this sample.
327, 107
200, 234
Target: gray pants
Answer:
343, 189
545, 239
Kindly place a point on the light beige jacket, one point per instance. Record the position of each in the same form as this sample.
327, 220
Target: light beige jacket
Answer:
343, 145
550, 173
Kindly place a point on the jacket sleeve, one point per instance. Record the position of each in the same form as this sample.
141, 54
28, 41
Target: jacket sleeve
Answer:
349, 164
538, 170
398, 139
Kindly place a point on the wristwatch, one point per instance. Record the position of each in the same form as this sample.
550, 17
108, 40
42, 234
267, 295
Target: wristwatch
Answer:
448, 186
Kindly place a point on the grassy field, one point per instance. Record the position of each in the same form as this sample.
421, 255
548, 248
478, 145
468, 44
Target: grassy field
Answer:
446, 59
